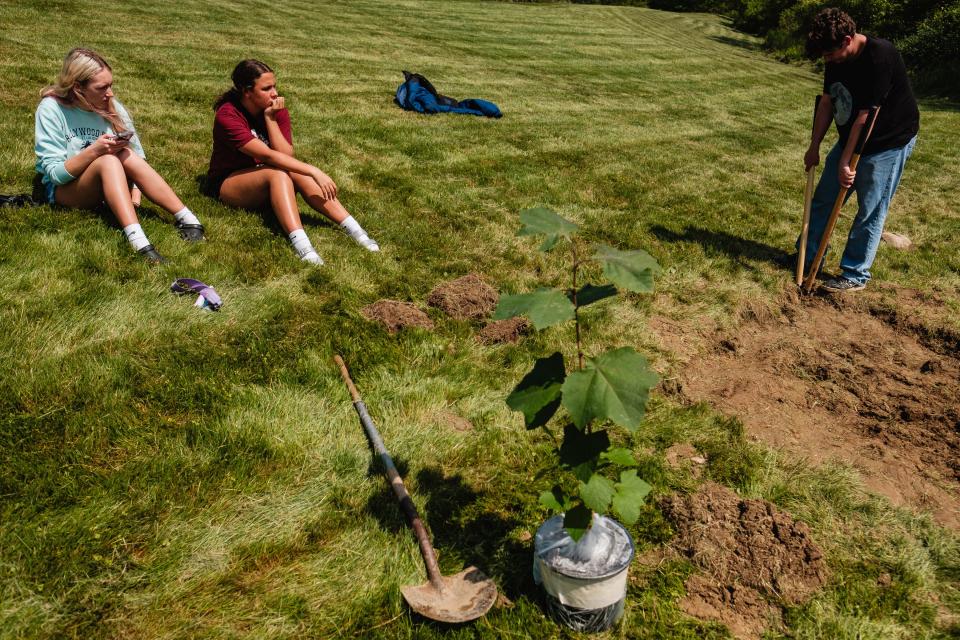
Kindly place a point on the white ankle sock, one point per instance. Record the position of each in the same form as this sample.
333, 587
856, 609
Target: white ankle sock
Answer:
357, 233
304, 248
185, 216
135, 236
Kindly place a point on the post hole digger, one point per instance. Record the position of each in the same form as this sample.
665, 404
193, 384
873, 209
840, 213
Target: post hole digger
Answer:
454, 599
841, 197
807, 199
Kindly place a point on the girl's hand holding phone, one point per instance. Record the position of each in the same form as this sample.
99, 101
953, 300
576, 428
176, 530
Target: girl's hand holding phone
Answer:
107, 143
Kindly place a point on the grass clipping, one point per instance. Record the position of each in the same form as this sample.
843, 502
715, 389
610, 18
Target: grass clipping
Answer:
466, 298
751, 554
396, 315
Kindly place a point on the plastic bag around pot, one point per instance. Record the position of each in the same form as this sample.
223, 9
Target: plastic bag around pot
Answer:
586, 580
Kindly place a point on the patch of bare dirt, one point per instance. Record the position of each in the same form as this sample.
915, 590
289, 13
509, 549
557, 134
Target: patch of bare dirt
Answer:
396, 315
466, 298
753, 557
868, 379
683, 455
454, 421
502, 331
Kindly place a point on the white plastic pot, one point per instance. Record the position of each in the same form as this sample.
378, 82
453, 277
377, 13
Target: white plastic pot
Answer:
585, 581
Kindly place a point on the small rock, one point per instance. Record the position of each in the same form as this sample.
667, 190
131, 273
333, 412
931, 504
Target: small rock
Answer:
896, 240
884, 580
699, 460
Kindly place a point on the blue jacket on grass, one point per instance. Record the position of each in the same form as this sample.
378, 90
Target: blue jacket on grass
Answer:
417, 94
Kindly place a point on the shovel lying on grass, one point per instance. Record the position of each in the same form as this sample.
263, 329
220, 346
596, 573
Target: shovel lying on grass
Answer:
460, 598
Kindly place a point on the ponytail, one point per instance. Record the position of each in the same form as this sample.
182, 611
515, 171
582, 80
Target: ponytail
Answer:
244, 78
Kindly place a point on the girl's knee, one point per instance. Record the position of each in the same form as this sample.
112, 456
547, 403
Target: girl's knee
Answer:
278, 176
107, 162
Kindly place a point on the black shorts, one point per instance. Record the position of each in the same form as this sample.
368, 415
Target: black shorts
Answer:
212, 185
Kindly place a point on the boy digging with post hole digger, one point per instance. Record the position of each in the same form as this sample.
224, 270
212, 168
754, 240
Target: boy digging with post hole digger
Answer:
860, 72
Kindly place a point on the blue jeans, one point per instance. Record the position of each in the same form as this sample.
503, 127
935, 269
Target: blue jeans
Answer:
878, 176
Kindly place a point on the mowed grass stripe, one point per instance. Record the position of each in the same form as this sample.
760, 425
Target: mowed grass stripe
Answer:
173, 474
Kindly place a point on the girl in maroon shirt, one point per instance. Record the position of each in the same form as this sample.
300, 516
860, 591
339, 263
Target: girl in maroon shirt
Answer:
253, 165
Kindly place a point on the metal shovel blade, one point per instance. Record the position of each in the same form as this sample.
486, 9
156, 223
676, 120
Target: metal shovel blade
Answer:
463, 597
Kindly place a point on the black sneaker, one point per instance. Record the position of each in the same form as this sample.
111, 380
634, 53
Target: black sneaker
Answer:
190, 232
842, 285
152, 255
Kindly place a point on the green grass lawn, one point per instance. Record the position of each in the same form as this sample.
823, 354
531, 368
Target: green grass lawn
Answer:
168, 473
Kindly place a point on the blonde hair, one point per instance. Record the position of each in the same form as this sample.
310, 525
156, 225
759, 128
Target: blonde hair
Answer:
79, 67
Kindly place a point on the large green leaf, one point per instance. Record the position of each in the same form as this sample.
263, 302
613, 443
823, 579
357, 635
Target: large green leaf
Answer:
597, 493
577, 520
630, 270
543, 221
588, 294
620, 456
630, 494
538, 394
613, 386
580, 448
555, 500
544, 307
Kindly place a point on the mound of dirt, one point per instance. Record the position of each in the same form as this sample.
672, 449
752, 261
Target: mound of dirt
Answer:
396, 315
466, 298
502, 331
868, 380
751, 553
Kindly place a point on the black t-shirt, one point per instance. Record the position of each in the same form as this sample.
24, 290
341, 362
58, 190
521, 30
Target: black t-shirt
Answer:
877, 77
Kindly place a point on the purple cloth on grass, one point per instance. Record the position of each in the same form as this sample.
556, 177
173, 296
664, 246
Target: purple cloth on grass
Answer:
189, 285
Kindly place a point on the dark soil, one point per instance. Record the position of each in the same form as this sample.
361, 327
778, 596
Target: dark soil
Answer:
753, 558
501, 331
868, 379
396, 315
466, 298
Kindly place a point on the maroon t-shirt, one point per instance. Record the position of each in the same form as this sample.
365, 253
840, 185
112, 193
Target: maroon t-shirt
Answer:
233, 127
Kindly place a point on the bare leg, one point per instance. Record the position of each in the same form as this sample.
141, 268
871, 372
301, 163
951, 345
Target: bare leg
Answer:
104, 180
149, 181
256, 187
333, 209
310, 190
253, 188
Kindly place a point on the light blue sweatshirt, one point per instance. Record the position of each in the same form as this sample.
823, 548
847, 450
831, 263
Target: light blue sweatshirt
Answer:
62, 132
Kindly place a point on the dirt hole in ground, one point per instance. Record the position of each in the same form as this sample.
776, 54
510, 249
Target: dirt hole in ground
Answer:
466, 298
750, 555
502, 331
870, 379
396, 315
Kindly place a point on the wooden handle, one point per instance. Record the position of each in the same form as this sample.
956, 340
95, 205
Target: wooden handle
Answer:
396, 482
805, 225
835, 214
346, 378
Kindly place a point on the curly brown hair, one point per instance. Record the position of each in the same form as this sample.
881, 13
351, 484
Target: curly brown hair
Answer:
827, 31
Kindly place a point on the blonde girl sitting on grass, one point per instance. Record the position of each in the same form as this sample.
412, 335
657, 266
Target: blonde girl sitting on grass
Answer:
88, 152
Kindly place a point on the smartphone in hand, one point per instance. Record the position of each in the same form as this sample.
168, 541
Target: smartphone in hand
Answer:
123, 135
